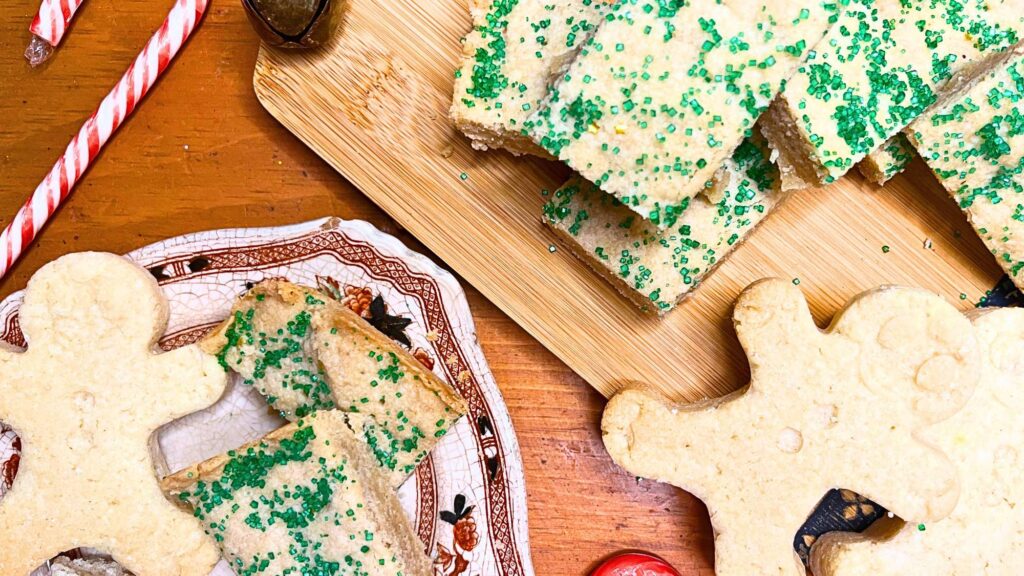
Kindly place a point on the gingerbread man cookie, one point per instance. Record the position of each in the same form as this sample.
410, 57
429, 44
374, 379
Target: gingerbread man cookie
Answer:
86, 398
985, 533
893, 361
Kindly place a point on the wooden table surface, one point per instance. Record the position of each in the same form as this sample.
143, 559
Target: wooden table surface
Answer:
200, 153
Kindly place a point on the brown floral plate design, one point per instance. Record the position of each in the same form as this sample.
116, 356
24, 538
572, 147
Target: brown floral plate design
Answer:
467, 501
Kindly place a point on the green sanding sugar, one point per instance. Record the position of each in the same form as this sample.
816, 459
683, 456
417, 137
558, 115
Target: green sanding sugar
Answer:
665, 91
294, 504
291, 350
888, 160
974, 144
656, 268
510, 57
882, 65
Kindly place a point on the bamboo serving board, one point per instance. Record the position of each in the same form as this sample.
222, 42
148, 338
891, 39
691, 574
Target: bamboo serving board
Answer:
374, 105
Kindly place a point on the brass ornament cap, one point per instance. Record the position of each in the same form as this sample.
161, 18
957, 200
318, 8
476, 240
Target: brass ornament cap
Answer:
294, 23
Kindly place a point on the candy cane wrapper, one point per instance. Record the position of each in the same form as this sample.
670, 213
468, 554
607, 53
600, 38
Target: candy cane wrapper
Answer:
112, 111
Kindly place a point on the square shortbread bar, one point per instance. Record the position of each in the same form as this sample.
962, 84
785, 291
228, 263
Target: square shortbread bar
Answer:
974, 143
659, 98
510, 58
306, 499
878, 68
653, 268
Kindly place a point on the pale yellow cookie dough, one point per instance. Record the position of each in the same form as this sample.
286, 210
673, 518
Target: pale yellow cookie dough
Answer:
974, 143
985, 533
85, 398
662, 95
893, 361
513, 54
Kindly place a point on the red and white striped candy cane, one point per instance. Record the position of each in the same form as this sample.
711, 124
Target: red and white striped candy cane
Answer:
112, 111
48, 28
53, 18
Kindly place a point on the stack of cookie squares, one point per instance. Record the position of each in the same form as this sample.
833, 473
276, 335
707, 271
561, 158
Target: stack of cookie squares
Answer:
688, 123
319, 495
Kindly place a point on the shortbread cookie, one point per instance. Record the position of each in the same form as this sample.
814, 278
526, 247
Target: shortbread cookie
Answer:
510, 58
887, 160
660, 97
656, 269
985, 533
304, 352
974, 143
893, 361
877, 69
85, 398
307, 499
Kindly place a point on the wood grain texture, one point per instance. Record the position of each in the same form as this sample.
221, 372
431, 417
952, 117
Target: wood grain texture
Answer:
374, 105
242, 168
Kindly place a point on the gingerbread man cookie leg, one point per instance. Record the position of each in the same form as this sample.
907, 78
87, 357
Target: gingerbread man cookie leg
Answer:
894, 360
983, 535
32, 550
85, 398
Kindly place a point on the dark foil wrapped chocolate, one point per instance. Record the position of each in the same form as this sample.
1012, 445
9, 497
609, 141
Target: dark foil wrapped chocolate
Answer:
294, 23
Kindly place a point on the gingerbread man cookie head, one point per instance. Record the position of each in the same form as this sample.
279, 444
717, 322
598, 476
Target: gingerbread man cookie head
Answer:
86, 398
810, 420
985, 532
72, 298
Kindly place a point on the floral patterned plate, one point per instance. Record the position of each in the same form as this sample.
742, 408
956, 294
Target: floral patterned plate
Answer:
467, 501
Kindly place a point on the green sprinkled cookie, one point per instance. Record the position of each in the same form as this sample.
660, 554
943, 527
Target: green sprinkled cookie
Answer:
974, 143
306, 499
306, 352
881, 66
657, 268
510, 58
666, 90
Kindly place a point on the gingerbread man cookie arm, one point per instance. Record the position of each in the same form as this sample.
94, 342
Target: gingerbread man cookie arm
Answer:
204, 382
639, 429
8, 366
